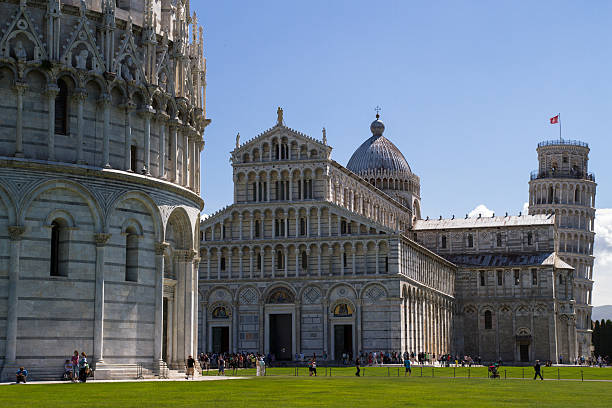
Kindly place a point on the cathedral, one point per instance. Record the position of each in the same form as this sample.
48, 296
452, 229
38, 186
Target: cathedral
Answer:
316, 258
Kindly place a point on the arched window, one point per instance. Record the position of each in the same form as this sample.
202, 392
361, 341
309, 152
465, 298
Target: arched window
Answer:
304, 257
222, 263
499, 239
59, 248
529, 238
576, 195
470, 241
131, 255
257, 229
488, 320
280, 261
302, 226
259, 262
343, 227
443, 243
61, 109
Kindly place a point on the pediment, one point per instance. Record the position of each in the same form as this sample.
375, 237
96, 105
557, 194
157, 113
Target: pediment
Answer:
276, 132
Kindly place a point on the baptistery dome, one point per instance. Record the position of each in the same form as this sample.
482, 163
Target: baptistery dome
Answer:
378, 153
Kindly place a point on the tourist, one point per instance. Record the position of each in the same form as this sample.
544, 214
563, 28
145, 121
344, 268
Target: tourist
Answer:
22, 375
83, 367
357, 364
75, 366
262, 364
67, 371
190, 368
314, 366
221, 365
407, 366
536, 368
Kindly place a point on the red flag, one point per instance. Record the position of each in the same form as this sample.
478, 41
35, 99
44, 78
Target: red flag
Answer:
554, 119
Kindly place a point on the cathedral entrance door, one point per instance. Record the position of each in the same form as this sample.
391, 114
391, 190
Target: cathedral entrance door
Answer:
524, 351
280, 336
220, 339
343, 340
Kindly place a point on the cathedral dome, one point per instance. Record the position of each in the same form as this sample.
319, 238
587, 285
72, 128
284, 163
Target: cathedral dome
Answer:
378, 153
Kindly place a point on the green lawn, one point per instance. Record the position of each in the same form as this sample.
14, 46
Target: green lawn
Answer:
566, 373
283, 391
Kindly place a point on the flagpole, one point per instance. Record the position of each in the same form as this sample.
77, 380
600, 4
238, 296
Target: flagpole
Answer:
560, 138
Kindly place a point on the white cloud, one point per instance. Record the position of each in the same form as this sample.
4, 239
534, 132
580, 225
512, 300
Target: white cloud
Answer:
525, 208
204, 216
482, 210
602, 288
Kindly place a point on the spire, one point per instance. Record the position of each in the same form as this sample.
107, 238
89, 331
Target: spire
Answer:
279, 116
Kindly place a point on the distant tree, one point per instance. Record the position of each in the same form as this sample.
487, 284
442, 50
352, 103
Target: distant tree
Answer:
606, 339
596, 338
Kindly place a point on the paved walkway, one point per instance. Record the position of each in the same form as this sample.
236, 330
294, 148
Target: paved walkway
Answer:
205, 378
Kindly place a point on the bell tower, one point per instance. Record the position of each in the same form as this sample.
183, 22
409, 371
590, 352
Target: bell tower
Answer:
563, 186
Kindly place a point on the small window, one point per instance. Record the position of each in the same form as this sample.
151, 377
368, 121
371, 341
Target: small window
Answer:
259, 262
482, 278
534, 277
470, 241
280, 262
499, 239
344, 262
201, 236
517, 277
343, 227
529, 238
133, 156
254, 197
59, 249
304, 260
62, 109
560, 279
386, 264
500, 278
222, 263
488, 320
131, 256
443, 243
257, 229
302, 226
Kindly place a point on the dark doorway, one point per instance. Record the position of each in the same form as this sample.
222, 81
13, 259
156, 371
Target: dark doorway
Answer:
220, 339
281, 336
524, 350
165, 331
343, 340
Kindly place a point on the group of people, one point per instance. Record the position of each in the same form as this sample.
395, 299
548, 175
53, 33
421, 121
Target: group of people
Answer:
77, 368
233, 361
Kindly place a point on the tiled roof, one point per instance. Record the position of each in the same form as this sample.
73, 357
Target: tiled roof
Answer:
505, 260
484, 222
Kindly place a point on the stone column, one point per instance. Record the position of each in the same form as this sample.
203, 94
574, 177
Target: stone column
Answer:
358, 331
204, 339
80, 95
353, 250
319, 261
101, 241
377, 259
20, 88
51, 93
160, 248
298, 327
174, 149
297, 261
325, 305
251, 255
235, 326
146, 113
129, 107
105, 103
185, 131
286, 261
162, 121
318, 222
15, 235
194, 160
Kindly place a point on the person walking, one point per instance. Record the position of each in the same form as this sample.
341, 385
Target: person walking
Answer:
357, 364
221, 363
536, 368
190, 368
407, 366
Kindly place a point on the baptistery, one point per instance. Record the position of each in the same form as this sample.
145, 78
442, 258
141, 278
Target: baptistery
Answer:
102, 108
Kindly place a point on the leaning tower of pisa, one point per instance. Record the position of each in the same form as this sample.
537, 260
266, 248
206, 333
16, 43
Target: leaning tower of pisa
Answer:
562, 185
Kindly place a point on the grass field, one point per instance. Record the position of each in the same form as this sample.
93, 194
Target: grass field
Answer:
564, 373
285, 391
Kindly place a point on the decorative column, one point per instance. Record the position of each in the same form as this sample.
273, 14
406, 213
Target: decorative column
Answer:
146, 113
195, 154
297, 261
319, 261
377, 260
105, 103
298, 326
354, 260
129, 107
241, 217
358, 331
160, 249
185, 131
20, 88
319, 222
173, 124
51, 93
286, 260
251, 255
162, 121
325, 306
80, 95
101, 241
15, 235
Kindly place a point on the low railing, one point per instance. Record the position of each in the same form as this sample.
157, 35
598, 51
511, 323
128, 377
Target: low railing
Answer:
535, 175
563, 142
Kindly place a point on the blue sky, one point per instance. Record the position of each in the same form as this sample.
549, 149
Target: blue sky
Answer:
466, 88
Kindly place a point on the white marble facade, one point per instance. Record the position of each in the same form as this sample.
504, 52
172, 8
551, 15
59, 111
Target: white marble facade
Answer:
102, 120
307, 238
